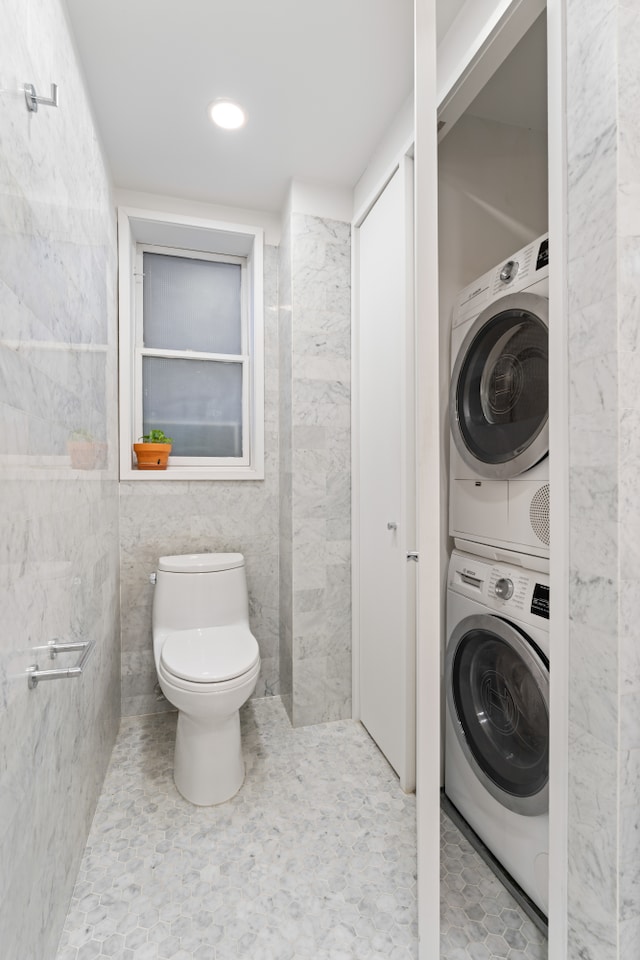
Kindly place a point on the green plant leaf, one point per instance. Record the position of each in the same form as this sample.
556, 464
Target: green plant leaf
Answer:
156, 436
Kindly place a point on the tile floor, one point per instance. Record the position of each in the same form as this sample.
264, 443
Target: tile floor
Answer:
479, 919
314, 858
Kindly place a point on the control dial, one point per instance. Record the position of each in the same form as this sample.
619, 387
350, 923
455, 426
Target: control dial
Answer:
509, 271
504, 588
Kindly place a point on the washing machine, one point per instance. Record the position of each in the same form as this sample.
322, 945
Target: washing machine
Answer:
499, 406
497, 712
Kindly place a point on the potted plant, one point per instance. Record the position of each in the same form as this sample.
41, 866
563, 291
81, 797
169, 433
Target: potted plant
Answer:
153, 451
85, 452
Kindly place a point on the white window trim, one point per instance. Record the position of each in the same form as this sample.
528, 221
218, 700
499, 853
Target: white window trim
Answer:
242, 358
190, 236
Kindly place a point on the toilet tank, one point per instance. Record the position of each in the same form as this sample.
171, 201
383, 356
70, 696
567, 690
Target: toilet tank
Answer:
200, 590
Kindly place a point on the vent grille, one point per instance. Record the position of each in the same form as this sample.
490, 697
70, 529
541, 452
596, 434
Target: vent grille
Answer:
539, 514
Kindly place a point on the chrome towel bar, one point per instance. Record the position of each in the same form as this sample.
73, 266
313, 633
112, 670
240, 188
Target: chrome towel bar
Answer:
54, 647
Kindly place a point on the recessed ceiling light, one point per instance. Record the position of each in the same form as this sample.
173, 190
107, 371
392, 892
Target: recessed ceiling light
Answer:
227, 114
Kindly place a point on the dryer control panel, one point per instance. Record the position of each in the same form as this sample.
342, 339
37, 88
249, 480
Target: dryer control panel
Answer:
522, 270
502, 587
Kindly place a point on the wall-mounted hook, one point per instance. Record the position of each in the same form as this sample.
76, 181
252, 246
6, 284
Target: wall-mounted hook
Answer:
33, 99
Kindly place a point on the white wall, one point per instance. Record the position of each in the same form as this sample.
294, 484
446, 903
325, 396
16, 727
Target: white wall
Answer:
492, 199
269, 222
397, 141
315, 200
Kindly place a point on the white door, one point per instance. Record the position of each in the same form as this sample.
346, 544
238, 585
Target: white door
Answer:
384, 487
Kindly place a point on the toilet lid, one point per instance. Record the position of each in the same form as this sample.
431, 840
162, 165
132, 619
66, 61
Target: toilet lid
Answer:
210, 654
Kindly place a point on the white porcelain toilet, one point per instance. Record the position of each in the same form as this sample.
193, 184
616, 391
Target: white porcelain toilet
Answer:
208, 662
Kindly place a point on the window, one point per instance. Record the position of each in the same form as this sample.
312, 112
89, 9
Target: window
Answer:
191, 345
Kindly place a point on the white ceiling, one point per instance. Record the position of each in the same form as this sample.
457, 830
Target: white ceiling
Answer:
321, 81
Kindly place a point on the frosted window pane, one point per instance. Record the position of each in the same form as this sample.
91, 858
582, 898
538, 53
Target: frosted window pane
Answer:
196, 402
191, 304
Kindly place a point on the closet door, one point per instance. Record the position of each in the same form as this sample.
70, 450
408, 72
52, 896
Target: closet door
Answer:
384, 494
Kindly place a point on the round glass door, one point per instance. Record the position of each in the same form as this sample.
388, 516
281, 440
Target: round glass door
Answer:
497, 685
500, 388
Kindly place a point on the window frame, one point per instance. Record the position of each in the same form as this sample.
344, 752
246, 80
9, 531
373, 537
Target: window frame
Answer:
139, 231
242, 358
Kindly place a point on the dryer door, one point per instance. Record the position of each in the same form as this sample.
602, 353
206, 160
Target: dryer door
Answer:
499, 400
497, 684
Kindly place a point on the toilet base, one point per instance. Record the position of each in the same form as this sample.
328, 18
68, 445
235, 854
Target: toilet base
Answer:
208, 767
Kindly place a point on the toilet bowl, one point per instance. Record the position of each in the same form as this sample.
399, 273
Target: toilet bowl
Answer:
207, 661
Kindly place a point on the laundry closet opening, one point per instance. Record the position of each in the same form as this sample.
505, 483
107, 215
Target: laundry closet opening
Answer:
493, 244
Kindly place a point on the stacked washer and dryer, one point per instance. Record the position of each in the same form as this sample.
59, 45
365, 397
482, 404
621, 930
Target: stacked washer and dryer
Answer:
497, 654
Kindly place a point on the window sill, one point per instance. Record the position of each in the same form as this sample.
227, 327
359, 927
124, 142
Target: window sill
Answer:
194, 473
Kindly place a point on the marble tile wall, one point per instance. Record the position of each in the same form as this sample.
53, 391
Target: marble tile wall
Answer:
286, 510
628, 31
58, 479
319, 501
603, 112
191, 516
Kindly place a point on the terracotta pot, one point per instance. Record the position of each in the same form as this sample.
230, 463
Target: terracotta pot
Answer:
152, 456
87, 454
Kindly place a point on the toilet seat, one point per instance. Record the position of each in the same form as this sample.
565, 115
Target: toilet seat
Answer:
210, 655
207, 689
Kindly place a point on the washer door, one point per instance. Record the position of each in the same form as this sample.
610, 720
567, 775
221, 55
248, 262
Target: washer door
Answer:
497, 684
499, 400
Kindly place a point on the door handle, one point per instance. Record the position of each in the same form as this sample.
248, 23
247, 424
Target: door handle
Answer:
413, 555
392, 525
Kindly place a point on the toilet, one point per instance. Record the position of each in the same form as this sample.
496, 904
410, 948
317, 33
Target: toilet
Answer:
207, 662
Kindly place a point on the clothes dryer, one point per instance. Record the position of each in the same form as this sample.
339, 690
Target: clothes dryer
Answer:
497, 712
499, 407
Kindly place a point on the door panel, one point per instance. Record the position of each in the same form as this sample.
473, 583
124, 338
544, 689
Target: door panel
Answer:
385, 494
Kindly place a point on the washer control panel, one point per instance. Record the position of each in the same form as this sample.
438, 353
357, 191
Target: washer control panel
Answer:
509, 271
510, 588
504, 588
507, 589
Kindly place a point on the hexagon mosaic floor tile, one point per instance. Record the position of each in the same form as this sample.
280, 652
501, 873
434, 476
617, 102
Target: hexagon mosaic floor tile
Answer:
314, 858
479, 919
